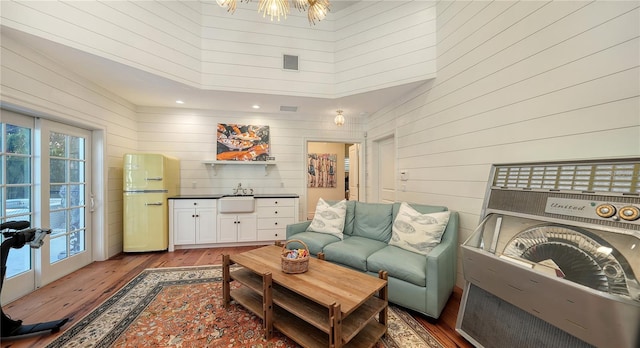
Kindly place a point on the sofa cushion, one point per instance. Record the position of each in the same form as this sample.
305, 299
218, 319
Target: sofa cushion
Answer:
348, 220
352, 251
399, 263
373, 220
316, 241
329, 218
418, 232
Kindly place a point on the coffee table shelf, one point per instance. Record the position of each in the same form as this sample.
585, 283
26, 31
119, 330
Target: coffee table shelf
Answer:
304, 311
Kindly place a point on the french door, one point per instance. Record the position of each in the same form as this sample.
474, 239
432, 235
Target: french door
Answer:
65, 172
44, 180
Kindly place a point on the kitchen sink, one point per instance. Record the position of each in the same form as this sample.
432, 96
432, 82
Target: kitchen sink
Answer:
236, 204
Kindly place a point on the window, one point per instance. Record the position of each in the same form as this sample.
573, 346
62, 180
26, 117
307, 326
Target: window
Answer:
16, 187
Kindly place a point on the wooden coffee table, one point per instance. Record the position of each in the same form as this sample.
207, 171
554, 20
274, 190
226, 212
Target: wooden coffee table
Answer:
327, 306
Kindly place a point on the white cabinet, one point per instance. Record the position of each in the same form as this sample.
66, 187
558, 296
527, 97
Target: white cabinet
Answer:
274, 214
196, 222
192, 222
236, 228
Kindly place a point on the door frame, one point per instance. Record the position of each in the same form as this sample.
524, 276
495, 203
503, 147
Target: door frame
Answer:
99, 197
304, 209
375, 164
99, 206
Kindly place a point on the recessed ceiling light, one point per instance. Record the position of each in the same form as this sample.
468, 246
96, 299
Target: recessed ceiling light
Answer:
179, 102
256, 106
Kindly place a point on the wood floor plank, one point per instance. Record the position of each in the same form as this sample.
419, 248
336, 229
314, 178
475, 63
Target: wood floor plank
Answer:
78, 293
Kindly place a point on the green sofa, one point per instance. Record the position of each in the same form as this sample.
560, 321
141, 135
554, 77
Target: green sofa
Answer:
418, 282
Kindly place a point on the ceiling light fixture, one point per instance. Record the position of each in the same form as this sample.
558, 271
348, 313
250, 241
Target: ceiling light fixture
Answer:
339, 120
256, 106
316, 9
179, 102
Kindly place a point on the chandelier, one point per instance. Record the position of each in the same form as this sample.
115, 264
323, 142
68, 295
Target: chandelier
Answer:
339, 120
316, 9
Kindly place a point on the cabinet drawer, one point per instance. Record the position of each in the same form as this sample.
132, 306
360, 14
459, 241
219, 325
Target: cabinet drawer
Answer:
273, 223
194, 203
268, 212
271, 234
275, 202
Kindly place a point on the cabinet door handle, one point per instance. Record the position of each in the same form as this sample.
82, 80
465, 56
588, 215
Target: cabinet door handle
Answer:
276, 202
276, 223
276, 234
276, 212
197, 215
193, 216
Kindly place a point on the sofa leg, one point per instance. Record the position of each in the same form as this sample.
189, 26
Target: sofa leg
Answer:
320, 256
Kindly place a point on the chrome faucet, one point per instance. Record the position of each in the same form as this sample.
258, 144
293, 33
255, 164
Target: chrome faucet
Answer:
241, 191
238, 189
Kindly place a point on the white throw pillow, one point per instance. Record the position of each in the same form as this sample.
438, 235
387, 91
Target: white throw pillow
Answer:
329, 218
417, 232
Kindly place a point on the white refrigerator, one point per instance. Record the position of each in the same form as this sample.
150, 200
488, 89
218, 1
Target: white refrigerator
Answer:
149, 179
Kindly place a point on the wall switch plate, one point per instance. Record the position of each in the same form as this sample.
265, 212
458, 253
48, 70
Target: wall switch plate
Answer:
404, 175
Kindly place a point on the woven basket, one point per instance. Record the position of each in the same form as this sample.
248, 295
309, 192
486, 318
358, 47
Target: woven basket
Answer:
300, 265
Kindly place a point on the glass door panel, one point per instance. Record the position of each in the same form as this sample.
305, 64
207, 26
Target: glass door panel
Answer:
66, 153
16, 198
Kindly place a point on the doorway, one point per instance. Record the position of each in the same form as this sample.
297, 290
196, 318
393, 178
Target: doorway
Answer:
47, 169
332, 172
385, 163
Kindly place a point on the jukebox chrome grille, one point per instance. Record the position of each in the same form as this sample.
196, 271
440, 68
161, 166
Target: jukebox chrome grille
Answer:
559, 244
581, 257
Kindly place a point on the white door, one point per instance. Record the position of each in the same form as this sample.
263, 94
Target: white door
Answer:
65, 171
17, 198
386, 169
354, 172
39, 159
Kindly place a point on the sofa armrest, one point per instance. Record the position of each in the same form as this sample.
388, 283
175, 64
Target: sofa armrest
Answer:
297, 228
442, 267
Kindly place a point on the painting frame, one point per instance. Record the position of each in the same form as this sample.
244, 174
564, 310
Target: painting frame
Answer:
322, 170
242, 143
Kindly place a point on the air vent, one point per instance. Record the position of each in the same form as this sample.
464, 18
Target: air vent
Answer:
288, 108
603, 177
289, 62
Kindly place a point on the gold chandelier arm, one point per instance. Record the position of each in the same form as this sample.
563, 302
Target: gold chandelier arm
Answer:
229, 4
301, 4
274, 8
317, 10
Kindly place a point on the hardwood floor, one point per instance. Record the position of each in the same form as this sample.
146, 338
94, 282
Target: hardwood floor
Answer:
75, 295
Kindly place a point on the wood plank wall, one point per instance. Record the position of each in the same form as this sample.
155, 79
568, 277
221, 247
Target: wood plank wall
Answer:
384, 43
190, 135
161, 37
517, 82
368, 46
31, 83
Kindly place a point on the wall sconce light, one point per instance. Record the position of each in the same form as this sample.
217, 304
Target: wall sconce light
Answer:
339, 120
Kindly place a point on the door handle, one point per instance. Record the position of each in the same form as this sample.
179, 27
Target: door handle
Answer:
92, 203
155, 203
159, 178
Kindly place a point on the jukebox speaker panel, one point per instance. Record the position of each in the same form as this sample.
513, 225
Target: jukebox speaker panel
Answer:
547, 268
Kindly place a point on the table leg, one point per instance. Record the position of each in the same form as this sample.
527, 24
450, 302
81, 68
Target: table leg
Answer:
384, 295
335, 315
267, 305
226, 279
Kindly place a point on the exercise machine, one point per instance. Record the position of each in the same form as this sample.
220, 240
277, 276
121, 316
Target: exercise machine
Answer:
19, 234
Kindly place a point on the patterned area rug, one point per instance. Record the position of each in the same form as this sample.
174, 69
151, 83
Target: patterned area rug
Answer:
182, 307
